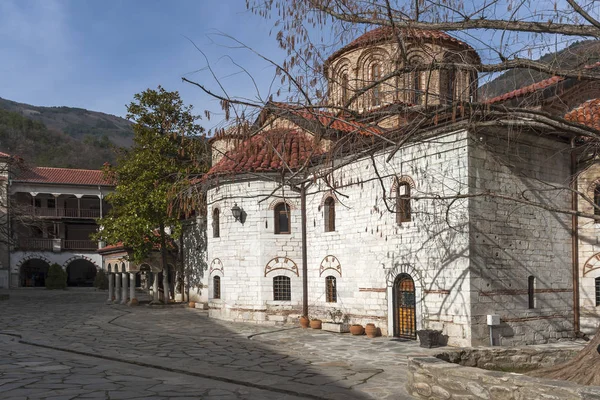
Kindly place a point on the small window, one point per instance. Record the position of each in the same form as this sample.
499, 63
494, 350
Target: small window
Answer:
282, 219
329, 214
597, 200
597, 292
51, 203
344, 85
531, 291
282, 289
417, 88
376, 76
330, 289
216, 287
403, 211
215, 223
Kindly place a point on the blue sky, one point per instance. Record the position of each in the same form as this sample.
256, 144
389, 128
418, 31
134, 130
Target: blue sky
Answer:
98, 54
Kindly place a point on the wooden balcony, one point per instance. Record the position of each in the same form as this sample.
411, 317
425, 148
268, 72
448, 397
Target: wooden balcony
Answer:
45, 212
56, 245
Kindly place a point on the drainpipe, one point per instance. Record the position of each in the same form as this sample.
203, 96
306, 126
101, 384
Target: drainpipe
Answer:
304, 257
575, 239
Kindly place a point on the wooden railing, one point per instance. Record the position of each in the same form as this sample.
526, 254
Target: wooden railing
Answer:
48, 244
35, 244
79, 245
63, 212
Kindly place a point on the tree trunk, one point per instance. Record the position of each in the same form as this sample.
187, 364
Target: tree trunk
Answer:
165, 266
582, 369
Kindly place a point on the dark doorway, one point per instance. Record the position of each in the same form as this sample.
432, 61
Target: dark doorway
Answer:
33, 273
81, 273
405, 317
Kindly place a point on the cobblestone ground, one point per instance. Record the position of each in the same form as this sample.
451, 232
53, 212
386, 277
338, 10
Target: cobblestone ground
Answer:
69, 344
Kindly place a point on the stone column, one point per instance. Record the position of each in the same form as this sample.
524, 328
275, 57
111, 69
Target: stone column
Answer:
124, 279
155, 287
117, 288
132, 300
111, 287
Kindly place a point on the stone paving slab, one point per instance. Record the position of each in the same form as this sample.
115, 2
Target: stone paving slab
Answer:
185, 341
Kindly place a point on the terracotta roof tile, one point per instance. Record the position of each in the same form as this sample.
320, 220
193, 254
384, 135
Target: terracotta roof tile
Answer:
62, 176
587, 114
385, 33
263, 152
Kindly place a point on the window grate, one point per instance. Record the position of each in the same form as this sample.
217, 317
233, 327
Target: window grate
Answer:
531, 291
282, 288
216, 287
331, 289
216, 230
597, 292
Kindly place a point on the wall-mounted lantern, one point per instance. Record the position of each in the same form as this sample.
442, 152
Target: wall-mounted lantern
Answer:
236, 211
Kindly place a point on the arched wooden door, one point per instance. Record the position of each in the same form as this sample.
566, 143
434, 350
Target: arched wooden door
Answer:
405, 317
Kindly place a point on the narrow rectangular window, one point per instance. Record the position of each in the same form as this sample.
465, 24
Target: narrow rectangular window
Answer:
597, 200
329, 214
531, 291
216, 287
282, 218
215, 222
330, 289
597, 292
403, 211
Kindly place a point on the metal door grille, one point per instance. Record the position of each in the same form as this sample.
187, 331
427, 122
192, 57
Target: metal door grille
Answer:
405, 301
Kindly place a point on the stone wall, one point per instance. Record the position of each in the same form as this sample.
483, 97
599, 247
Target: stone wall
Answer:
512, 241
432, 378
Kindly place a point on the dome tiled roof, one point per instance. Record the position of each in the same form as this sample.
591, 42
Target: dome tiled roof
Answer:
587, 114
268, 151
385, 34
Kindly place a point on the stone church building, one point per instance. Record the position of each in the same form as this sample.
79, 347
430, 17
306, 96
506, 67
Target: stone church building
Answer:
421, 235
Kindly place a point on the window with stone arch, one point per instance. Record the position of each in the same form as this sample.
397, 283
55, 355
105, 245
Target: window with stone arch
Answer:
330, 289
216, 287
376, 94
282, 217
329, 214
282, 288
403, 207
216, 223
531, 291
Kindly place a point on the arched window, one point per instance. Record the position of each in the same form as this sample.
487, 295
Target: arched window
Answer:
344, 87
329, 214
216, 287
597, 199
597, 292
376, 76
448, 80
282, 219
531, 291
215, 223
109, 269
403, 212
417, 86
330, 289
282, 288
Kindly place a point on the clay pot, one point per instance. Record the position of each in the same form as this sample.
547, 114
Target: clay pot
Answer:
356, 329
315, 324
371, 330
304, 322
192, 304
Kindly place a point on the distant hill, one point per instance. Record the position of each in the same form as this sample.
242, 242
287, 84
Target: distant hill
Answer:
61, 136
576, 55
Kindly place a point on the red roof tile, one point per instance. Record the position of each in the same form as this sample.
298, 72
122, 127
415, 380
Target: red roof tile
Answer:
4, 155
268, 151
385, 34
62, 176
587, 114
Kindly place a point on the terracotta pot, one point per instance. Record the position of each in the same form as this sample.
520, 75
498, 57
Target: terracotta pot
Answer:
315, 324
371, 330
357, 329
192, 304
304, 322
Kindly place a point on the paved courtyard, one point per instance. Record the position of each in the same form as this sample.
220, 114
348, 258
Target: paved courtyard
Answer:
70, 345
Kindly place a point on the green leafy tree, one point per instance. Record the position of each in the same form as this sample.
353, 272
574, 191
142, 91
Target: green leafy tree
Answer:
56, 278
168, 148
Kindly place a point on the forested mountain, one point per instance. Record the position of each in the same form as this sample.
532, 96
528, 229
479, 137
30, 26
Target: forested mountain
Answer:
578, 54
61, 136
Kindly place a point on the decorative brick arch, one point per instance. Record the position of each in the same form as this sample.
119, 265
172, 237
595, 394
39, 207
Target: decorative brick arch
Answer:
592, 186
591, 264
401, 179
279, 263
74, 258
330, 262
216, 265
326, 196
31, 257
291, 205
392, 273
